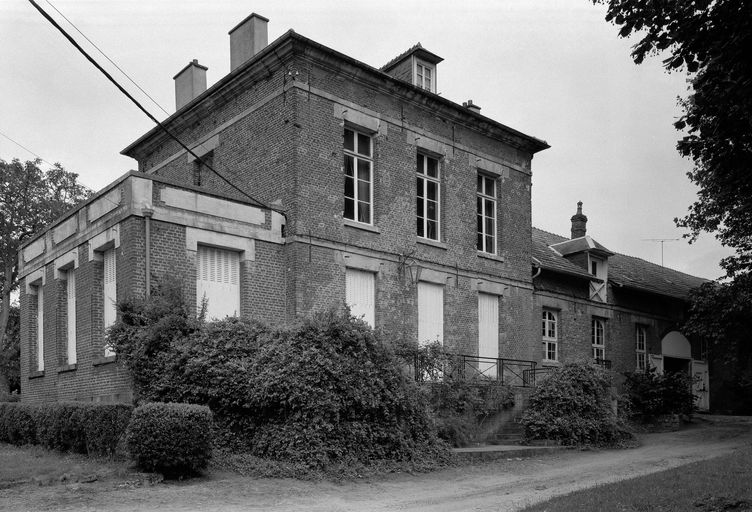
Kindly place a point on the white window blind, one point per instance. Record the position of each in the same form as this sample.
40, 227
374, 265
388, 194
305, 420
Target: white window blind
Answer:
109, 305
360, 294
430, 312
71, 314
218, 280
488, 332
40, 328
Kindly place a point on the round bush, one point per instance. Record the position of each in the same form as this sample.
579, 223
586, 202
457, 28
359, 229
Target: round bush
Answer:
174, 439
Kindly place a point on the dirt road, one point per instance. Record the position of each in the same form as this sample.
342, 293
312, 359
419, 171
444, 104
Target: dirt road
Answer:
504, 485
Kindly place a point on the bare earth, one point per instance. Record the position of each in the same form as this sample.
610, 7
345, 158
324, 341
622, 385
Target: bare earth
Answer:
503, 485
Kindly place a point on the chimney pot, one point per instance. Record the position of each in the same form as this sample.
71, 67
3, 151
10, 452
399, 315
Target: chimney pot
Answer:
471, 106
579, 222
190, 82
247, 38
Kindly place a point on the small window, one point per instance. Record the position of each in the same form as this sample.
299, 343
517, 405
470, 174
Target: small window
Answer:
550, 335
594, 267
486, 214
358, 163
428, 197
425, 76
641, 348
598, 340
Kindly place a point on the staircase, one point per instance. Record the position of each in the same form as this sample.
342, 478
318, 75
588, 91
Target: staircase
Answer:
504, 427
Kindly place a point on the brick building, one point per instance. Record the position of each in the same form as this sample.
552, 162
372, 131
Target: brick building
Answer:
315, 180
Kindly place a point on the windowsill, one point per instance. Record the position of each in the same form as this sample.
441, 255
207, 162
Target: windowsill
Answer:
489, 256
99, 361
432, 243
67, 368
36, 374
550, 362
357, 225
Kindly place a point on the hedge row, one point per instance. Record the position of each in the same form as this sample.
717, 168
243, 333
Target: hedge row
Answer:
79, 427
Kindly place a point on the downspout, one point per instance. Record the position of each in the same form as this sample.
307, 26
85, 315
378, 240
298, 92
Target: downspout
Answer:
148, 212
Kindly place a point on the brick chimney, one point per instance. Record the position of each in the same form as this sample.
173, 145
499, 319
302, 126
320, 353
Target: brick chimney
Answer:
247, 39
471, 106
579, 221
190, 82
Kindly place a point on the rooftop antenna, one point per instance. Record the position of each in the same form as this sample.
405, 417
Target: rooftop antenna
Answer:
662, 241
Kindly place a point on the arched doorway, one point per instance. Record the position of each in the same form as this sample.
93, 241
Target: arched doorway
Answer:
676, 356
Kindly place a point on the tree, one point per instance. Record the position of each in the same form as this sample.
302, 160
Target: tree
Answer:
710, 39
30, 198
10, 353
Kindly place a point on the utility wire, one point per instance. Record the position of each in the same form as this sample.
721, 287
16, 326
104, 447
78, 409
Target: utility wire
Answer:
143, 109
106, 57
26, 149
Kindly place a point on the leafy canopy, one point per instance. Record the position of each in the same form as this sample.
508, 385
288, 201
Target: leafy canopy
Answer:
711, 40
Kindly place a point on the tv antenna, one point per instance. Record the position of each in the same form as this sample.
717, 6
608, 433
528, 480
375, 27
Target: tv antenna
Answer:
662, 241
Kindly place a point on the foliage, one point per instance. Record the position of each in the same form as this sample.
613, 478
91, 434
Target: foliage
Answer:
720, 314
80, 427
30, 198
10, 352
573, 406
174, 439
323, 392
650, 394
711, 40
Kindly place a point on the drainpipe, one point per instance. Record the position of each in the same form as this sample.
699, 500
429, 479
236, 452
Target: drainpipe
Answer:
148, 212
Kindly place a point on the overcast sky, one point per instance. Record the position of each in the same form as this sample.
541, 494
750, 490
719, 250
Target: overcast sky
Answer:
553, 69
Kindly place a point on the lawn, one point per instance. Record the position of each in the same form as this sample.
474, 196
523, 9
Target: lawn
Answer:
719, 484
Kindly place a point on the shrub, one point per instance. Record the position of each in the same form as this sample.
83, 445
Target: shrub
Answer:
105, 427
650, 394
174, 439
573, 406
18, 423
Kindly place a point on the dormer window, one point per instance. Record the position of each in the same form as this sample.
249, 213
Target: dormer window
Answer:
416, 66
425, 75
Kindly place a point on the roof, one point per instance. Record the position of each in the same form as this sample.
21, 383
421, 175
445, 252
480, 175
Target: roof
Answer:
623, 271
581, 244
420, 52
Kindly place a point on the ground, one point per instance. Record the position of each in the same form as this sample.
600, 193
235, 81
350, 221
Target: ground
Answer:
503, 485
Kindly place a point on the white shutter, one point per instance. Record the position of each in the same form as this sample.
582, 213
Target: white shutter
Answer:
430, 312
488, 332
360, 292
218, 279
71, 313
40, 328
110, 294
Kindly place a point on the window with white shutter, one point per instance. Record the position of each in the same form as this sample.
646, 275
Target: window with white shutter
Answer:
430, 312
70, 286
109, 306
218, 281
488, 333
40, 328
360, 292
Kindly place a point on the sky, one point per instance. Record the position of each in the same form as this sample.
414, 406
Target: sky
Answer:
553, 69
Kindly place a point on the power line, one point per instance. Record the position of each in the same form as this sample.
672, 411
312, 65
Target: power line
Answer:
26, 149
106, 57
144, 110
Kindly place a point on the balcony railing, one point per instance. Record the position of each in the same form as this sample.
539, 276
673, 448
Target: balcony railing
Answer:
512, 372
606, 363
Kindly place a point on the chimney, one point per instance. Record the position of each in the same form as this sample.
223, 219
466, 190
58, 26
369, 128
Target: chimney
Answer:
471, 106
247, 39
189, 83
579, 222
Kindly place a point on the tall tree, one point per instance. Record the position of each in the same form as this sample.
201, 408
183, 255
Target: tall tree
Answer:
710, 39
30, 198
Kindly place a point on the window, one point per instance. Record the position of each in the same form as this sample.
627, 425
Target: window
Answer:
640, 348
70, 308
488, 333
424, 76
40, 328
598, 340
109, 296
550, 336
486, 208
360, 294
358, 177
430, 312
218, 281
201, 168
429, 194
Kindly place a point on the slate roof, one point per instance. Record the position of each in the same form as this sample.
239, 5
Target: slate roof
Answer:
583, 243
422, 53
623, 270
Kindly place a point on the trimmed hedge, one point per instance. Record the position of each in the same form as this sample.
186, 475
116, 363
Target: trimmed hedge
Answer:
80, 427
174, 439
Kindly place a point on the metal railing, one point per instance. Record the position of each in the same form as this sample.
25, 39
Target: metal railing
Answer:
606, 363
512, 372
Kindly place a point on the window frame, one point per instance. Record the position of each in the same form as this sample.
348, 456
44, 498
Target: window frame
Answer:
641, 344
547, 340
421, 175
598, 334
419, 75
481, 197
357, 157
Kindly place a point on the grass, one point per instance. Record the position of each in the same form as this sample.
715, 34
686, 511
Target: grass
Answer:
720, 484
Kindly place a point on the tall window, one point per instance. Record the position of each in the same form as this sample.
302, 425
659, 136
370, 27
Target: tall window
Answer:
358, 177
598, 339
424, 76
360, 294
218, 281
486, 208
640, 348
109, 306
430, 312
550, 336
70, 289
428, 197
40, 328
